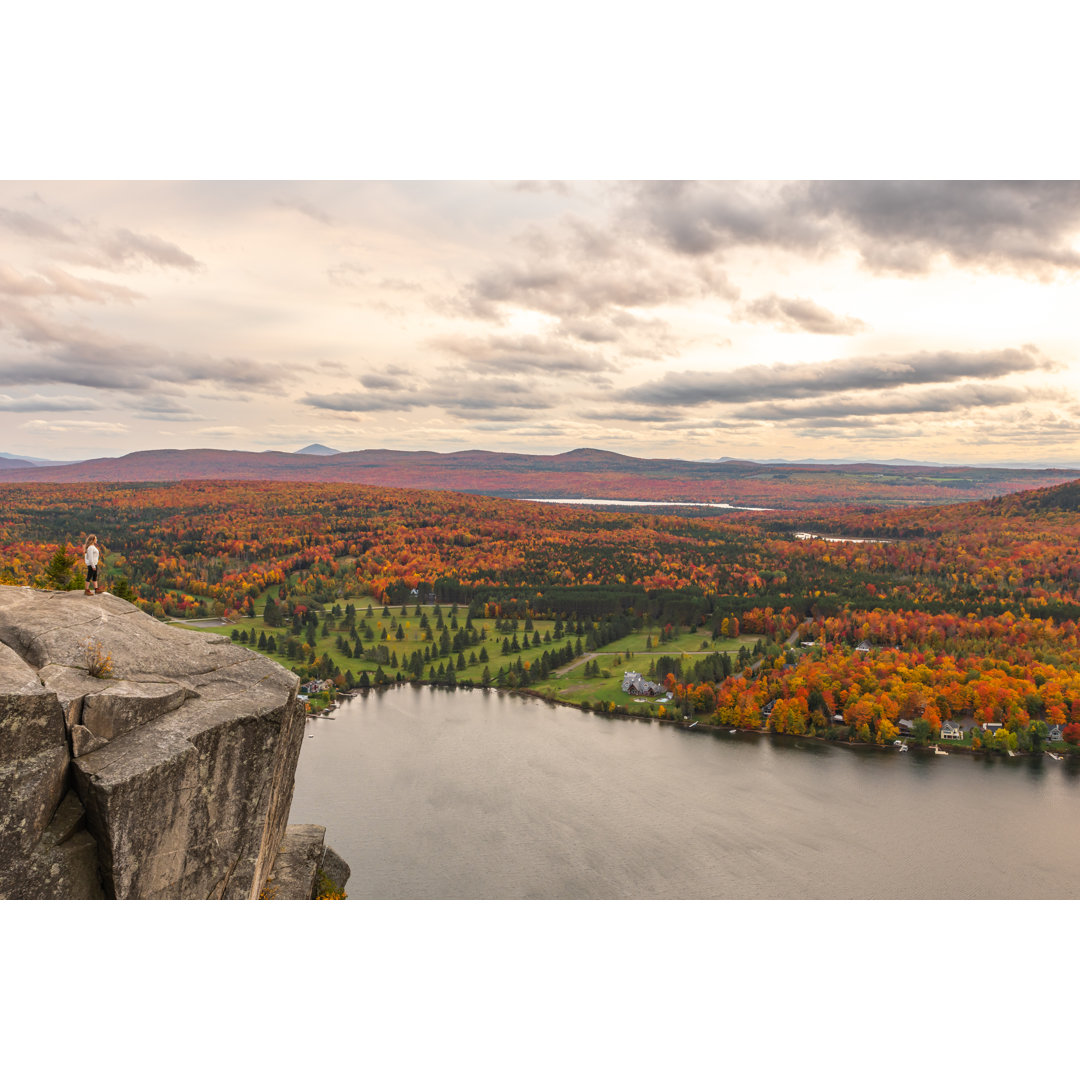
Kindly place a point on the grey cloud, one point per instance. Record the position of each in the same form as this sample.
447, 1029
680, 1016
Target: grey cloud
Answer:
797, 314
55, 282
540, 187
896, 226
122, 246
949, 399
42, 403
488, 397
760, 382
572, 290
381, 382
629, 411
878, 431
75, 425
903, 225
581, 269
1027, 429
17, 221
88, 245
363, 403
458, 395
67, 354
308, 209
161, 406
697, 219
634, 336
528, 353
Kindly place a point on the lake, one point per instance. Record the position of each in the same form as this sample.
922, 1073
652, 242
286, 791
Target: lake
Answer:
431, 793
614, 504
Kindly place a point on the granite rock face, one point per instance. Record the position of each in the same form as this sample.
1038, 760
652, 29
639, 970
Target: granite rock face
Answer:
175, 773
304, 864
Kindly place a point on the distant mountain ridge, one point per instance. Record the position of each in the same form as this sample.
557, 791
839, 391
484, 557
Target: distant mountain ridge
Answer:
22, 461
583, 473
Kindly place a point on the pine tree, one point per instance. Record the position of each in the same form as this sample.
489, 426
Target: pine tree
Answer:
58, 572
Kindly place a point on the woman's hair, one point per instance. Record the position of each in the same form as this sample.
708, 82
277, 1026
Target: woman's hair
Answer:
91, 539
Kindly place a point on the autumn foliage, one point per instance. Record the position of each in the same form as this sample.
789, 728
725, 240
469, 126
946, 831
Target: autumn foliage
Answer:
961, 611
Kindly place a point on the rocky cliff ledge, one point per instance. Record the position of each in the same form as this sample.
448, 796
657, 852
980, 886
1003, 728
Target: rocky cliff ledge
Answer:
168, 775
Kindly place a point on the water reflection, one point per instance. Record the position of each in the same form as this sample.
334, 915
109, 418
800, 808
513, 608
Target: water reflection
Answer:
432, 793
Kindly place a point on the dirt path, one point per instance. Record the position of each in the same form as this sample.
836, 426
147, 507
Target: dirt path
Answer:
578, 661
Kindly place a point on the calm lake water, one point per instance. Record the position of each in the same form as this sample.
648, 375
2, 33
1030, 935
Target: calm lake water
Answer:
440, 794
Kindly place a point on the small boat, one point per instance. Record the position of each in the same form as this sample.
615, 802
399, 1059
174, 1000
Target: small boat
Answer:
694, 724
1050, 753
310, 735
1011, 753
733, 730
941, 753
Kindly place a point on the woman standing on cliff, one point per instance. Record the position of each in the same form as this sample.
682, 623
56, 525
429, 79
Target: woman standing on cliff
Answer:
90, 557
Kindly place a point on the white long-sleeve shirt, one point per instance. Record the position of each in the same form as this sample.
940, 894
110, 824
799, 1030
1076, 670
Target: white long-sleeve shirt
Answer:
91, 556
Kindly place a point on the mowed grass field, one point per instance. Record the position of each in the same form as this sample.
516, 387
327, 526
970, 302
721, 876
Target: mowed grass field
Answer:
567, 683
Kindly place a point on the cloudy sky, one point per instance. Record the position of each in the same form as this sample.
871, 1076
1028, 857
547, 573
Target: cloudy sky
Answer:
934, 321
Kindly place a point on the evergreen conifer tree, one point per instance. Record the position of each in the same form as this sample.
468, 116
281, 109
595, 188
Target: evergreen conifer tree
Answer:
58, 572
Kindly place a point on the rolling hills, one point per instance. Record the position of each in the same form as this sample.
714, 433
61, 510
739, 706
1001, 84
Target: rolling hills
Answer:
583, 473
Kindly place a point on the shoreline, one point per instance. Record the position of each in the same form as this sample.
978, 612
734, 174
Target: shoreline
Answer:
719, 729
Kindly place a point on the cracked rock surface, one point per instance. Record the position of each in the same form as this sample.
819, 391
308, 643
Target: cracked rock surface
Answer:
172, 778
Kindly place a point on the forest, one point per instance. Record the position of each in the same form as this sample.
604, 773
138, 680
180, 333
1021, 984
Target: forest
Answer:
855, 624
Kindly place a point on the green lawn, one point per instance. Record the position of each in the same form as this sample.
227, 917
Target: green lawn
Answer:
629, 653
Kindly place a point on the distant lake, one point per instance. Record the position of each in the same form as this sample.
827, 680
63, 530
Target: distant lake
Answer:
437, 794
636, 502
841, 539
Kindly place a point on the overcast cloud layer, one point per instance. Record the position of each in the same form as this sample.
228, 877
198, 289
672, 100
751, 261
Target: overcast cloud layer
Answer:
927, 320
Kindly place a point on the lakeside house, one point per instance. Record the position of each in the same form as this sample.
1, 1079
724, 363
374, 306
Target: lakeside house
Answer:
1055, 734
950, 729
635, 683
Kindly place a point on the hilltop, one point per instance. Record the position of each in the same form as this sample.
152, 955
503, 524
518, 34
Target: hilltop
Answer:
581, 473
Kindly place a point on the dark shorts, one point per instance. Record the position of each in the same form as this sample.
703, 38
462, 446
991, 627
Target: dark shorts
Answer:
91, 573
